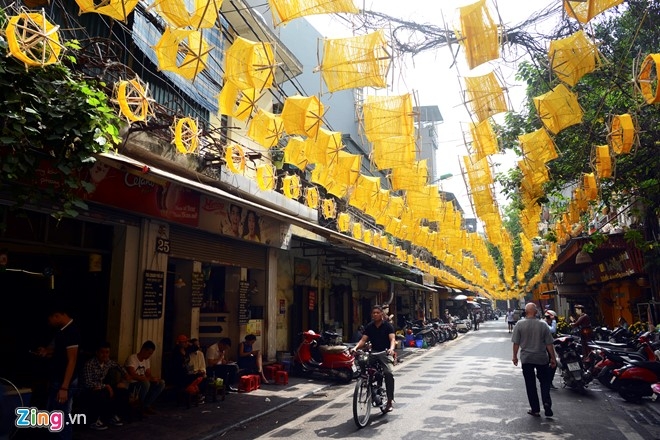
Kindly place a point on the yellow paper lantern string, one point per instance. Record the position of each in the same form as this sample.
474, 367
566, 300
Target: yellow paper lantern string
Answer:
186, 135
622, 134
33, 40
235, 158
648, 78
291, 187
312, 197
328, 208
343, 222
131, 96
266, 177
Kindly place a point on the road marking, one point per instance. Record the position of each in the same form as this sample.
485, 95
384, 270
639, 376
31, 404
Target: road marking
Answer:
625, 428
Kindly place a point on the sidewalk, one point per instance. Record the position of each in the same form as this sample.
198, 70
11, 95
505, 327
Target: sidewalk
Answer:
212, 419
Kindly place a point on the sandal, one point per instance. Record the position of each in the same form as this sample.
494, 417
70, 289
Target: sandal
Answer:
535, 414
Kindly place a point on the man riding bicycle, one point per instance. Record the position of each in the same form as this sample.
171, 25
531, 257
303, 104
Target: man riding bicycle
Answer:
381, 335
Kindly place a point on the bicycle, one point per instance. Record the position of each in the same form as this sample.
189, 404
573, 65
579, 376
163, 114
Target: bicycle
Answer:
369, 390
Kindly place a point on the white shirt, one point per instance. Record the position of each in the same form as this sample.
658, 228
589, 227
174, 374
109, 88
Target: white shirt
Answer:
141, 367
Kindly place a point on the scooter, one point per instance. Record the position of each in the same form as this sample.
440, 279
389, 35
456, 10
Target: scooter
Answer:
316, 356
569, 363
635, 381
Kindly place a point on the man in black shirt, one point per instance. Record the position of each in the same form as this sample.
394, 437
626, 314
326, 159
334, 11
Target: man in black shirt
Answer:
381, 335
62, 374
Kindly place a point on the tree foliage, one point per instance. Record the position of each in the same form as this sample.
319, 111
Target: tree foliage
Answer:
51, 119
624, 38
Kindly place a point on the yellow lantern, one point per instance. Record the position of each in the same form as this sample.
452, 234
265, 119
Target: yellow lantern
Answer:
343, 222
286, 10
202, 14
312, 197
186, 135
235, 158
622, 133
250, 64
302, 115
357, 231
291, 186
266, 177
132, 99
328, 208
648, 78
32, 39
603, 162
266, 128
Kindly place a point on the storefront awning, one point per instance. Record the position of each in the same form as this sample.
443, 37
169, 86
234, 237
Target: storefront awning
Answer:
135, 165
390, 278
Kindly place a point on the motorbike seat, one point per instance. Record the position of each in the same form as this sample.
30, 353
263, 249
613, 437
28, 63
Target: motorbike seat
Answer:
332, 348
650, 365
613, 345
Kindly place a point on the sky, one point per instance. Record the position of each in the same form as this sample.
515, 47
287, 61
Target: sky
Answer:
434, 78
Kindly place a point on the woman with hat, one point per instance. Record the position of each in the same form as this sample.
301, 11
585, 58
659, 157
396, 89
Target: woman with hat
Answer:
583, 324
551, 320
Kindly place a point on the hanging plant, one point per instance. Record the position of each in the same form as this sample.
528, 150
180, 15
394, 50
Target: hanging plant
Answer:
52, 121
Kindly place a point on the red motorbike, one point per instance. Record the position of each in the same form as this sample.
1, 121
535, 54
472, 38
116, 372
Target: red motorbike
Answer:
636, 380
321, 355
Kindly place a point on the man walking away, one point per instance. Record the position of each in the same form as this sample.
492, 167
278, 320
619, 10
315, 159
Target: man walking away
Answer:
532, 337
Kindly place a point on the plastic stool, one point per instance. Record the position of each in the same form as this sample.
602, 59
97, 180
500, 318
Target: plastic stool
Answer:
269, 371
282, 377
247, 384
257, 381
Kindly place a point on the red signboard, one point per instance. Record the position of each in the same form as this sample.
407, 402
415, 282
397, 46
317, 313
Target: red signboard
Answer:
312, 299
136, 193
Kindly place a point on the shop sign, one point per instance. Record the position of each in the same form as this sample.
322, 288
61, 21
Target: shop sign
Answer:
243, 302
619, 266
152, 294
312, 299
197, 289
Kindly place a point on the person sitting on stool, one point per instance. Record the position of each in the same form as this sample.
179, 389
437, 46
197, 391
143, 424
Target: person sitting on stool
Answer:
219, 365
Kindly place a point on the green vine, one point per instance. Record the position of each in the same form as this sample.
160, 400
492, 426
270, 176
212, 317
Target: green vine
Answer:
595, 240
52, 123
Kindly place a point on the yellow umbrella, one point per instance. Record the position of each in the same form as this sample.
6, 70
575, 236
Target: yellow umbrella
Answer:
237, 103
558, 109
538, 146
394, 152
589, 185
32, 39
250, 64
117, 9
360, 61
585, 10
302, 115
190, 43
484, 95
196, 14
573, 57
357, 231
325, 148
266, 128
484, 140
286, 10
478, 34
294, 153
366, 189
388, 116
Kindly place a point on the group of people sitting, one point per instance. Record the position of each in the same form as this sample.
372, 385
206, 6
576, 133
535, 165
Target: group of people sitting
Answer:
109, 389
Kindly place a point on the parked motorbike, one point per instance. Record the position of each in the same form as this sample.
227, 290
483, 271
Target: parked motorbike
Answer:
569, 363
318, 354
422, 331
610, 360
635, 381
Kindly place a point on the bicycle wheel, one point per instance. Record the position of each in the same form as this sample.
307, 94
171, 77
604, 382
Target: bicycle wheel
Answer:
361, 402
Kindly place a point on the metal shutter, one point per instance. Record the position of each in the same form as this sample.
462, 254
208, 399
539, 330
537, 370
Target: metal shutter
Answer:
210, 248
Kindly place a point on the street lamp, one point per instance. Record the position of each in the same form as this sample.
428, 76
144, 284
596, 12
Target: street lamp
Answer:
443, 177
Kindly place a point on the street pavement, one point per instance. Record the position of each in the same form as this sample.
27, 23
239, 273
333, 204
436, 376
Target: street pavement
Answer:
462, 389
